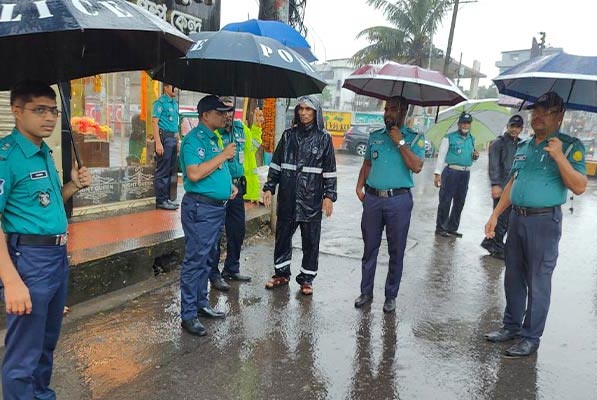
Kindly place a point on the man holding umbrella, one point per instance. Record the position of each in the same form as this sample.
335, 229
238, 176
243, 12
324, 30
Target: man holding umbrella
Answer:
384, 184
33, 258
501, 156
545, 167
452, 173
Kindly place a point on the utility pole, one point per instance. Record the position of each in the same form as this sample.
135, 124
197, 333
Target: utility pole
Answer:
277, 10
451, 37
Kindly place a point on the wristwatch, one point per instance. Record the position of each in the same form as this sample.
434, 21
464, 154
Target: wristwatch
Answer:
401, 143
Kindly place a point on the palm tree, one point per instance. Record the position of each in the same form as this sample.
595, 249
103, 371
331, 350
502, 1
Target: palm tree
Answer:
409, 41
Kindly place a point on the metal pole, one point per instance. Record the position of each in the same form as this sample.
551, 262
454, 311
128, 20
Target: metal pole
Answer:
451, 37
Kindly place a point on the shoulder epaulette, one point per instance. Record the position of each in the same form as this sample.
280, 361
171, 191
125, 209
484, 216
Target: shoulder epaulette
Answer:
7, 144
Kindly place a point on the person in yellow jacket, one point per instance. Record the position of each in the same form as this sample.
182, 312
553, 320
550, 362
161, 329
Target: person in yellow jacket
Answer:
252, 144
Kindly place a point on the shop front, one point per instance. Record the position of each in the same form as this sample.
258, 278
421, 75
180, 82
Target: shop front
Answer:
111, 119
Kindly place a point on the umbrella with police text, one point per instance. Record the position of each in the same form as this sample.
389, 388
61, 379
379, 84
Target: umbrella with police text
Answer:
59, 40
419, 86
241, 64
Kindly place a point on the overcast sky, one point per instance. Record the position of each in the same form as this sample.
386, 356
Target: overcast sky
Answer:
483, 29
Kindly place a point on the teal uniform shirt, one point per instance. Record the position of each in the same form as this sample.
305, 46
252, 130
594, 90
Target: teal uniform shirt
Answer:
388, 170
537, 180
166, 109
460, 150
198, 146
235, 165
30, 189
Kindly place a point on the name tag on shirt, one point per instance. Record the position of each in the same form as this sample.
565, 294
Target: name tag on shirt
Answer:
520, 157
38, 175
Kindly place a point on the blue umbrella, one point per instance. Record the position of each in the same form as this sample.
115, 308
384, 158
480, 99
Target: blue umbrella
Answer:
277, 30
574, 78
241, 64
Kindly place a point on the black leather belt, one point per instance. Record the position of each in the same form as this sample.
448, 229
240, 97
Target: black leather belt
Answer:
526, 211
207, 200
40, 240
386, 193
166, 133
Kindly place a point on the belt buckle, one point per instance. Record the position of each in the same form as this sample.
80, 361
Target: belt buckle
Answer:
61, 239
383, 193
224, 203
521, 211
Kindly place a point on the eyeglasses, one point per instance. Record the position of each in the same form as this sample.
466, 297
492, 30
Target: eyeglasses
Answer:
41, 111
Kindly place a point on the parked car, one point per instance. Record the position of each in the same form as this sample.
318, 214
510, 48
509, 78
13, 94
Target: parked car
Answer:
355, 140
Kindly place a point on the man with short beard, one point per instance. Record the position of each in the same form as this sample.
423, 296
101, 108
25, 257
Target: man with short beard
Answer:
456, 153
304, 167
384, 184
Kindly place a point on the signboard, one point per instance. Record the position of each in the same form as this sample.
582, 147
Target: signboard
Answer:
371, 118
337, 122
185, 15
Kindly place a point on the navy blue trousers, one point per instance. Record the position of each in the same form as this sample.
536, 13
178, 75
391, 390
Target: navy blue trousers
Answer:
531, 256
165, 168
202, 226
393, 213
235, 235
31, 339
452, 194
497, 242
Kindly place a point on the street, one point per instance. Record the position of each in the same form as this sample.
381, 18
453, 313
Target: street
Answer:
282, 345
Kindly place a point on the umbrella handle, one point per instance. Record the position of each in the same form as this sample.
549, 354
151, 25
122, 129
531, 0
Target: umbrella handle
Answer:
68, 125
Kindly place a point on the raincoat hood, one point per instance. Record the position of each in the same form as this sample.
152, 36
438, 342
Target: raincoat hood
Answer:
314, 104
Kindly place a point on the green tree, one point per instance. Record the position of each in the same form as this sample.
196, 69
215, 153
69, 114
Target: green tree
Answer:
408, 42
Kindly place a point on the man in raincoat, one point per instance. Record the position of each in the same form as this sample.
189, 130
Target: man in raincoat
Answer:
304, 167
253, 142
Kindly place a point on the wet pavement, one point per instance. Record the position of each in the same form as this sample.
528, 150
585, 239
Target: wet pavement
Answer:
282, 345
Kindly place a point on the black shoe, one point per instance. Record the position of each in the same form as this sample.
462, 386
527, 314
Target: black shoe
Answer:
455, 234
173, 203
363, 300
166, 206
503, 335
236, 277
489, 246
389, 305
498, 254
219, 284
194, 327
210, 313
524, 348
441, 233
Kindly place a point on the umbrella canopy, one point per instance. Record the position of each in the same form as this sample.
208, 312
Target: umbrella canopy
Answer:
280, 31
574, 78
489, 120
419, 86
60, 40
241, 64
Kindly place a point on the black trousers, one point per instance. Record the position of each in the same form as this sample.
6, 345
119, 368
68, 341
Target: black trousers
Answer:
235, 235
452, 194
310, 234
165, 168
500, 229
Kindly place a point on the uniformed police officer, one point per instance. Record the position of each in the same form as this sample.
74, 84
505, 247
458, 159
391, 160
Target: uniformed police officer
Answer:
456, 152
164, 121
501, 157
545, 167
233, 132
384, 184
208, 186
33, 258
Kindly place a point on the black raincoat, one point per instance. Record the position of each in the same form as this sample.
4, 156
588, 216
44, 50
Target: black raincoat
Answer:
304, 166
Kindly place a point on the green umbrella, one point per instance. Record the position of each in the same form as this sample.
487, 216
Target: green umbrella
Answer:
489, 121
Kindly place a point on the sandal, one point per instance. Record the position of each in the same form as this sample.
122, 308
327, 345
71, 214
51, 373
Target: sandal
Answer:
276, 281
307, 289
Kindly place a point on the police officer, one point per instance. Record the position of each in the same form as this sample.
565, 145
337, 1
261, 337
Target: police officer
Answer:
545, 167
384, 184
165, 133
208, 186
501, 156
33, 258
233, 132
456, 152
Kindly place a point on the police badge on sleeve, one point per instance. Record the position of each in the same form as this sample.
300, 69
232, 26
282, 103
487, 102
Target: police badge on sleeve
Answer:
44, 199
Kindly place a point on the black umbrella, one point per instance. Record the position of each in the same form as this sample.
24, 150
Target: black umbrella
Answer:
241, 64
59, 40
